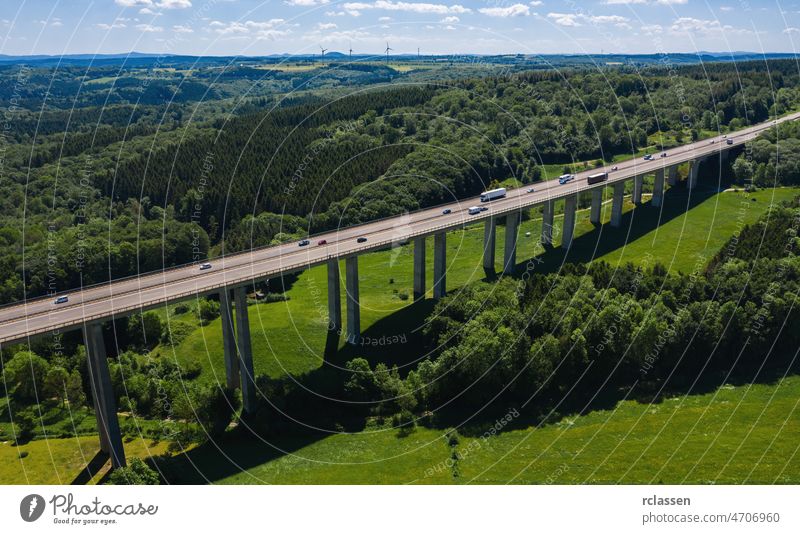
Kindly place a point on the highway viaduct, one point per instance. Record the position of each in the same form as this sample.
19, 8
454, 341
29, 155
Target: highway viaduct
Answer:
230, 276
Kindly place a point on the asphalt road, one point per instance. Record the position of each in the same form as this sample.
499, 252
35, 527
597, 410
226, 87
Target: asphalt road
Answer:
149, 290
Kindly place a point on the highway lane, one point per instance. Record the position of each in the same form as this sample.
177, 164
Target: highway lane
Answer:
153, 289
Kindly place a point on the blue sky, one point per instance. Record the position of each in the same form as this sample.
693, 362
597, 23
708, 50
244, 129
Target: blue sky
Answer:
255, 27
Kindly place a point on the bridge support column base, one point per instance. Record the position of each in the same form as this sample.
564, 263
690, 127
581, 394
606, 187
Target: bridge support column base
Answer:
334, 297
353, 302
638, 184
245, 349
547, 222
105, 408
673, 176
658, 188
570, 208
597, 205
616, 204
229, 340
419, 268
439, 265
510, 249
489, 236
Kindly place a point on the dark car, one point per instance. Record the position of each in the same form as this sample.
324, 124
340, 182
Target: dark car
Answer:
322, 242
61, 300
614, 168
484, 208
663, 154
447, 211
303, 243
648, 157
204, 266
361, 240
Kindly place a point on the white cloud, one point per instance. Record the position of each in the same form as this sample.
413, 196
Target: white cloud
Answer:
55, 22
564, 19
326, 26
257, 29
112, 26
173, 4
791, 30
148, 28
178, 28
516, 10
412, 7
690, 25
387, 19
659, 2
337, 37
134, 3
148, 11
162, 4
305, 3
578, 19
450, 20
535, 3
335, 13
652, 28
725, 8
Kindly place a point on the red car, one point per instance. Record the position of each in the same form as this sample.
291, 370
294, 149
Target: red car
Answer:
322, 242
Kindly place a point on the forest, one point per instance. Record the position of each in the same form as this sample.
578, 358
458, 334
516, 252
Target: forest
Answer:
266, 170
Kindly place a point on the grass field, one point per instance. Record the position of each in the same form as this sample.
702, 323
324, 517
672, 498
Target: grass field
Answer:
733, 435
64, 460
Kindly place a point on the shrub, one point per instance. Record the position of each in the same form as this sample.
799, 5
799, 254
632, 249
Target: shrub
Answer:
137, 473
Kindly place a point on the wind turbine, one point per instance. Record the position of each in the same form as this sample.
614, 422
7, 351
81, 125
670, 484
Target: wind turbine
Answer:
351, 51
323, 51
387, 51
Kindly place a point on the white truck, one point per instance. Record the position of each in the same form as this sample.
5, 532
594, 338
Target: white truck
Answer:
474, 210
486, 196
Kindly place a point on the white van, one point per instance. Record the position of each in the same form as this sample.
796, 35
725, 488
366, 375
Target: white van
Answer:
474, 210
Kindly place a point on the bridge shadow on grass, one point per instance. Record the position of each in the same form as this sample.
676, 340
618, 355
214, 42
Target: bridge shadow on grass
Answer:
636, 223
230, 455
395, 339
94, 466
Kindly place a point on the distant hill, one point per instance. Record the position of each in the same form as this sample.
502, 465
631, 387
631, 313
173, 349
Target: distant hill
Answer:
138, 59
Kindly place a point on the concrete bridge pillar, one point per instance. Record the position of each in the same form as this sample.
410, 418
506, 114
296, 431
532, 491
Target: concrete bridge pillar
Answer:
673, 176
638, 183
489, 235
334, 296
694, 168
547, 222
510, 248
597, 205
570, 207
245, 349
353, 333
228, 339
105, 407
419, 268
439, 265
616, 205
658, 188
